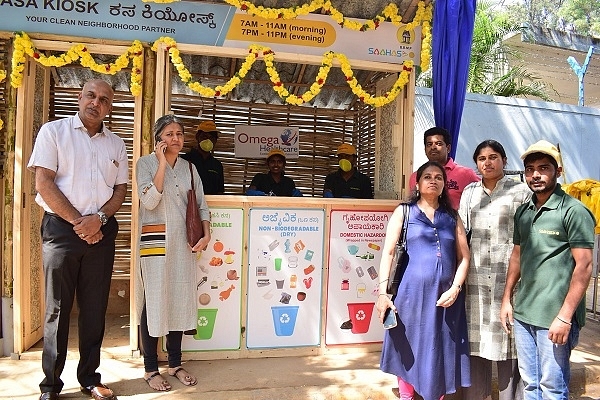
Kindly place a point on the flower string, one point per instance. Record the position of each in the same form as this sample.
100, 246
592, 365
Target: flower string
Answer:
268, 56
422, 18
2, 78
23, 46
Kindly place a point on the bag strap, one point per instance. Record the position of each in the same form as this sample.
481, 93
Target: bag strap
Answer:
468, 227
402, 238
405, 214
192, 174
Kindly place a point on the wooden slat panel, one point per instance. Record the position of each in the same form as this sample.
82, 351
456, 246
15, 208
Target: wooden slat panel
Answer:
321, 132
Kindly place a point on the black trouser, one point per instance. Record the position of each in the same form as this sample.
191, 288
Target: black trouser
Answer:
150, 343
73, 267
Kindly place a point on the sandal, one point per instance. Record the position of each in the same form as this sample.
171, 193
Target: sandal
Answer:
162, 386
184, 377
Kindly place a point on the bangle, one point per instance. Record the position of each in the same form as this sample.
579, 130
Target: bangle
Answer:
458, 286
384, 294
563, 321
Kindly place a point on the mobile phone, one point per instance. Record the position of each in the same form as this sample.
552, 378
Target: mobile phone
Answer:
389, 319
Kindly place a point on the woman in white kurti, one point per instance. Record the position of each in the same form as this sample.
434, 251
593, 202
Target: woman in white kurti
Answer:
487, 209
165, 282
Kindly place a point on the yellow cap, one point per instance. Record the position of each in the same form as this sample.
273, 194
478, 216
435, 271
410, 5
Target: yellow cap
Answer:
275, 152
346, 148
544, 147
207, 126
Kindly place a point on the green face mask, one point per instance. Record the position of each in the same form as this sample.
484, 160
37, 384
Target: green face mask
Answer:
206, 145
345, 165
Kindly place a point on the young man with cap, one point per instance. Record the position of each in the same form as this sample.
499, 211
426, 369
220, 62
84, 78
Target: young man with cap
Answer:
347, 181
209, 168
552, 261
273, 183
437, 147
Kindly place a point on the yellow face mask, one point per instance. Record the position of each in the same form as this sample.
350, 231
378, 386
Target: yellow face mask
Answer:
206, 145
345, 165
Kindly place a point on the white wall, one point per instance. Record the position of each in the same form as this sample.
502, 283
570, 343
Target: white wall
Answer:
517, 123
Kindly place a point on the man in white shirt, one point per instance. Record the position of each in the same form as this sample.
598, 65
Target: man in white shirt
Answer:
81, 176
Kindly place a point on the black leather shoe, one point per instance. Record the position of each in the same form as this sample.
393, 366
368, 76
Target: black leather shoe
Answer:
99, 392
49, 396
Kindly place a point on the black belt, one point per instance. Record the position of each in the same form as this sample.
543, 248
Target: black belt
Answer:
57, 216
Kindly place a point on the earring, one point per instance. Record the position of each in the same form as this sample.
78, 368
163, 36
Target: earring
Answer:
417, 193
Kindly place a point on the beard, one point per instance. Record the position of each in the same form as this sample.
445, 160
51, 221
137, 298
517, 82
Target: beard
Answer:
547, 188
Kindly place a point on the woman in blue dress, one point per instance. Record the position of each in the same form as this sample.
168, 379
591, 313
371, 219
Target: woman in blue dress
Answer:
429, 349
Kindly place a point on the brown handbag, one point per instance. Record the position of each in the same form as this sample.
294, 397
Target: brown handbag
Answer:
193, 223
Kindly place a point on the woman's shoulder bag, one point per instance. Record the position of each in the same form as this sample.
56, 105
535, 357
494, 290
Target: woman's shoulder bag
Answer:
397, 268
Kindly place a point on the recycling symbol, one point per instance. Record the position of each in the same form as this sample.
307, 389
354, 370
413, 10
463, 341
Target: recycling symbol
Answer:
284, 319
202, 321
360, 315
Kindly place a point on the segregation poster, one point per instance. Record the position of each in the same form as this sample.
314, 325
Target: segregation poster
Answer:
219, 291
355, 243
285, 269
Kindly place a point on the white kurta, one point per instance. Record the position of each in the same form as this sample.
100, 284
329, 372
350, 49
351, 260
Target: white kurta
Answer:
166, 278
491, 218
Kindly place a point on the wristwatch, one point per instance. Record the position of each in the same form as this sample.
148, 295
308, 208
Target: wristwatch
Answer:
103, 217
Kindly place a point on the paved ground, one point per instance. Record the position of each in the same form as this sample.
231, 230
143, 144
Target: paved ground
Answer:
330, 377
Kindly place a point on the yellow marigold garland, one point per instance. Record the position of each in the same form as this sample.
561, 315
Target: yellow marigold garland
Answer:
24, 46
422, 18
256, 51
2, 77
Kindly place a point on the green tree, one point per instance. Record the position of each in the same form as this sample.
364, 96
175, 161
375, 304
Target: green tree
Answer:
490, 69
578, 16
582, 16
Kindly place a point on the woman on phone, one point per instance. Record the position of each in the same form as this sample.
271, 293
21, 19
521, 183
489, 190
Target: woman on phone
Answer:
428, 350
165, 280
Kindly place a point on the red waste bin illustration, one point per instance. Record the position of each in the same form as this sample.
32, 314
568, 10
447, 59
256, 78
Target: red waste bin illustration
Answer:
360, 315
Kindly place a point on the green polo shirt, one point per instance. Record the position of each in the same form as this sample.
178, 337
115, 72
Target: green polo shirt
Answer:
546, 237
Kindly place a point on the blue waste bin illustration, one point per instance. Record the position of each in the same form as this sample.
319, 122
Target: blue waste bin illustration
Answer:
284, 319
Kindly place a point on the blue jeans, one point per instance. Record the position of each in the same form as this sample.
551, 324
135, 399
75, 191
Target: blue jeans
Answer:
544, 366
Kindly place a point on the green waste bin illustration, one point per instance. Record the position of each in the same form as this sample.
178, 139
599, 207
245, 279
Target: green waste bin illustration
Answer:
284, 319
206, 323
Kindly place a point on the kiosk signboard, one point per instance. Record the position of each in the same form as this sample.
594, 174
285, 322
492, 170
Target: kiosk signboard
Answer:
210, 24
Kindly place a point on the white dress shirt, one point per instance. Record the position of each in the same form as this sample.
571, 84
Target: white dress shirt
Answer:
87, 168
